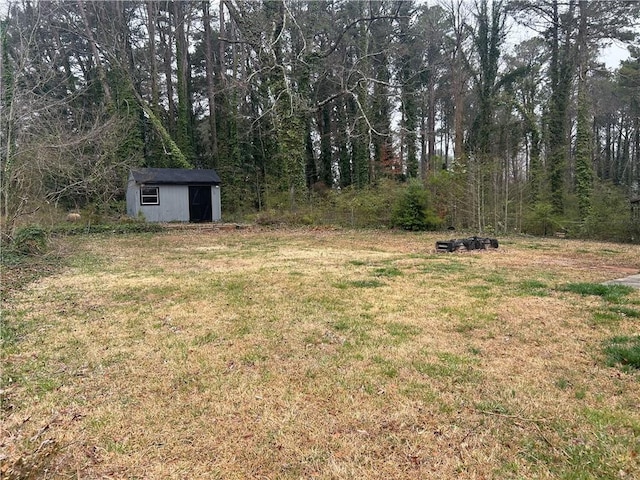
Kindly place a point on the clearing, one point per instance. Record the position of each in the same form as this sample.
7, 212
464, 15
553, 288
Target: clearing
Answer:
321, 354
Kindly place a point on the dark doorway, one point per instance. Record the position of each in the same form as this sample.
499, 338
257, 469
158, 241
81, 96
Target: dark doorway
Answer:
200, 204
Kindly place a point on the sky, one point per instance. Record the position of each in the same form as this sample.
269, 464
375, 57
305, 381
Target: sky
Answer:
613, 55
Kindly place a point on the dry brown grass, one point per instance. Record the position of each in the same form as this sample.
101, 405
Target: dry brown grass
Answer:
319, 354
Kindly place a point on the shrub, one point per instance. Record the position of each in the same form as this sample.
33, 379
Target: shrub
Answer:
412, 209
122, 227
448, 192
609, 216
31, 240
368, 207
540, 220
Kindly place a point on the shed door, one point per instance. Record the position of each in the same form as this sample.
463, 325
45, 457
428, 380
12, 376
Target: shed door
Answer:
200, 204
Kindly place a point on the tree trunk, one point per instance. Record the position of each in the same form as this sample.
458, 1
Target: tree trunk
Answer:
96, 55
561, 76
152, 18
431, 124
209, 66
184, 134
166, 41
583, 149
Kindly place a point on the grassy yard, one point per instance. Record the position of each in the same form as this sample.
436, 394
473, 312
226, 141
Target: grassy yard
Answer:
322, 354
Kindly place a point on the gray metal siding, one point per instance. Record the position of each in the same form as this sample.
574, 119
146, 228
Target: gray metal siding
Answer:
216, 203
174, 204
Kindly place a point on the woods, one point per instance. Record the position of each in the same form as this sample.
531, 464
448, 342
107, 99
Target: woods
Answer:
502, 110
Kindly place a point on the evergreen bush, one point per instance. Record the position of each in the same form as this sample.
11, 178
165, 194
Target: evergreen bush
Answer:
541, 220
412, 209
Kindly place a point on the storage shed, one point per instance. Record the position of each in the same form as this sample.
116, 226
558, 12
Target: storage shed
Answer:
174, 195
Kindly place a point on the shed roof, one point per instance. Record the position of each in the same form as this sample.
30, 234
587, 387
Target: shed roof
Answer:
175, 176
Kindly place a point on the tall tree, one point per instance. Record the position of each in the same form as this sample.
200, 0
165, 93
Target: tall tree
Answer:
184, 133
488, 39
583, 148
566, 26
209, 41
456, 51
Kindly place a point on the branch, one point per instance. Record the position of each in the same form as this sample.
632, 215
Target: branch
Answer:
174, 150
353, 24
180, 160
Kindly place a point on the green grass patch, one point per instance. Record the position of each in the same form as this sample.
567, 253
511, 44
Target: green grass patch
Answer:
623, 352
444, 267
533, 288
387, 272
496, 279
612, 293
355, 332
341, 325
423, 391
492, 406
359, 284
468, 318
448, 366
358, 263
87, 262
538, 246
605, 452
254, 357
625, 311
481, 292
605, 318
11, 329
613, 315
604, 417
386, 367
402, 332
205, 339
236, 290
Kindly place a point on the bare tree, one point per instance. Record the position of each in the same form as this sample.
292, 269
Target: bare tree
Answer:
53, 150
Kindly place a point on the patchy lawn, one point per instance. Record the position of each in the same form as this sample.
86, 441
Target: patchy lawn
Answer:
321, 354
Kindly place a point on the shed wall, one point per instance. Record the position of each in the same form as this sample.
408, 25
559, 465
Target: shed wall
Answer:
174, 203
216, 203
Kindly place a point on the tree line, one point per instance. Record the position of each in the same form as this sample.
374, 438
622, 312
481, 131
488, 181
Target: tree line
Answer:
292, 101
